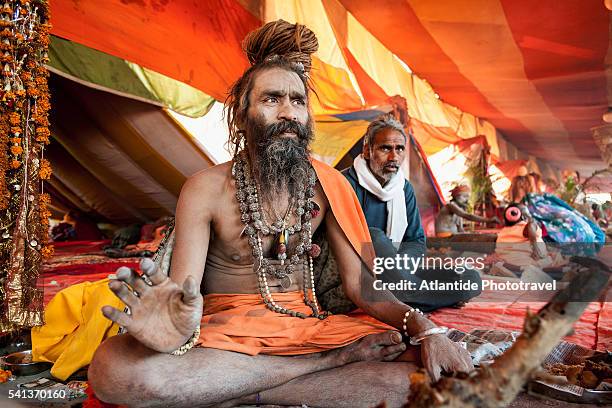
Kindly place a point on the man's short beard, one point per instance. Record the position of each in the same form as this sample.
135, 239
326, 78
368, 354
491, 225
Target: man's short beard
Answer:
280, 163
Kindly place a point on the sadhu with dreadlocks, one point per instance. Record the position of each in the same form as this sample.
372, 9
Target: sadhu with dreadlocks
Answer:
244, 239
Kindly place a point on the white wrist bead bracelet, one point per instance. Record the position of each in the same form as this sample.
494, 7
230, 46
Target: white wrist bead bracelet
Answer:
406, 317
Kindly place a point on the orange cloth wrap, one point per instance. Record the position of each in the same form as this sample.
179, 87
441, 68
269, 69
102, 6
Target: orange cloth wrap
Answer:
242, 323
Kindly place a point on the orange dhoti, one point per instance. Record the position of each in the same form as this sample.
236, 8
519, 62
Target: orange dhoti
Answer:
242, 323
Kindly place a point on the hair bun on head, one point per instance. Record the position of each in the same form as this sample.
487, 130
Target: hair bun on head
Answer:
280, 39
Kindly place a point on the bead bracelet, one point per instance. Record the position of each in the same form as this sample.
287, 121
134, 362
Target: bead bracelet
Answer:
406, 317
189, 345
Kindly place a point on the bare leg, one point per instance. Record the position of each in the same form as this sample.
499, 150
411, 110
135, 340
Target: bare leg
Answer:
123, 371
361, 384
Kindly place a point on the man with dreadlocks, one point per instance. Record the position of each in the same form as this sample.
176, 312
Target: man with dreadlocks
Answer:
243, 234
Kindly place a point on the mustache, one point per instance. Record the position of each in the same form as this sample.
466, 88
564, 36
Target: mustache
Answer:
391, 164
302, 132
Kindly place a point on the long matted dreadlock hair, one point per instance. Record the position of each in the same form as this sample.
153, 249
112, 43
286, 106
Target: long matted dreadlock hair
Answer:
277, 44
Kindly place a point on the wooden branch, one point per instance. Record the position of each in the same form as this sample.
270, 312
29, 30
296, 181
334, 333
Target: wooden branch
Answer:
498, 384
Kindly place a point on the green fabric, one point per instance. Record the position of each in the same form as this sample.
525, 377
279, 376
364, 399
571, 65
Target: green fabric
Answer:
103, 70
175, 95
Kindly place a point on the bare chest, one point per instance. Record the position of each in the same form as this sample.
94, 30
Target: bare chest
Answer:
231, 243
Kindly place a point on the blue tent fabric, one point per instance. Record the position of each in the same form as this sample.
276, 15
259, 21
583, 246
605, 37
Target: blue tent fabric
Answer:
368, 114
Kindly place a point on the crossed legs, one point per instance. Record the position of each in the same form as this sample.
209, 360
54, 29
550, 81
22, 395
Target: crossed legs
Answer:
125, 372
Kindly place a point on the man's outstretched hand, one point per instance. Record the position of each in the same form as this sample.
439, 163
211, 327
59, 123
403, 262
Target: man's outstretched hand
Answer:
163, 316
439, 353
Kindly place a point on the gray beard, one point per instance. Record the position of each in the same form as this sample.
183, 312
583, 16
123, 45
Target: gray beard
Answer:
280, 164
283, 166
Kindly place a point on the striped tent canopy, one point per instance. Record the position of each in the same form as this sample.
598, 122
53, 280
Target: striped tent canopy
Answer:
529, 77
538, 71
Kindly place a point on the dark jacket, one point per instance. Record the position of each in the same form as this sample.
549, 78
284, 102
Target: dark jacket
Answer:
375, 210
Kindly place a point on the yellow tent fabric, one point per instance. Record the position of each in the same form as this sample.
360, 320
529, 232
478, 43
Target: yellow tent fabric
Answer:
334, 138
339, 34
74, 327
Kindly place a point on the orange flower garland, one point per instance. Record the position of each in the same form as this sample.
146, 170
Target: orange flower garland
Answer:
47, 251
45, 170
44, 200
24, 132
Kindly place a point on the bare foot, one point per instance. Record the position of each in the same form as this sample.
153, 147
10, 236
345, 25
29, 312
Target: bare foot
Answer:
374, 347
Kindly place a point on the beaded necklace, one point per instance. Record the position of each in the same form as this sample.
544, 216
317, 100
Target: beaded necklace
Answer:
251, 214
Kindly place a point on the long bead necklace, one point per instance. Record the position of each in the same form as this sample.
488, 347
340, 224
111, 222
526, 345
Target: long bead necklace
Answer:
251, 214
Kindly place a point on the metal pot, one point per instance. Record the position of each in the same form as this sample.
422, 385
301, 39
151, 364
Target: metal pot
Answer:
21, 364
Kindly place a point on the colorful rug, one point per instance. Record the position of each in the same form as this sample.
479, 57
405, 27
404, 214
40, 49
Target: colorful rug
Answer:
490, 312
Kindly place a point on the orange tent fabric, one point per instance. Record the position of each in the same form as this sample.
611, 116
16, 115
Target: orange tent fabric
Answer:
164, 37
510, 167
535, 70
526, 69
198, 43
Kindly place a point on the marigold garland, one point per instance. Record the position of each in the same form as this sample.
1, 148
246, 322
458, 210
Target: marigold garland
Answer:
16, 150
47, 251
44, 200
4, 163
24, 113
45, 170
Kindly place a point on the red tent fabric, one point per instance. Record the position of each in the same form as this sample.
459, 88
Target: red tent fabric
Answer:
196, 42
536, 70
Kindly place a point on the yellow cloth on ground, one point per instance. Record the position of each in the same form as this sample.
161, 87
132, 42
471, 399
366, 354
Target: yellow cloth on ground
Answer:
74, 327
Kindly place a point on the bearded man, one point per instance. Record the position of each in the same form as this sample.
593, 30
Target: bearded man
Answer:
522, 184
390, 208
243, 231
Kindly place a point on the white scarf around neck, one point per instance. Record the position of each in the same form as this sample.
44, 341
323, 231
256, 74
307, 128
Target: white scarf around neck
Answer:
392, 193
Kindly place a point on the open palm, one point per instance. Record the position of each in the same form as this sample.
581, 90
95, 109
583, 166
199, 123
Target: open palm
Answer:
163, 315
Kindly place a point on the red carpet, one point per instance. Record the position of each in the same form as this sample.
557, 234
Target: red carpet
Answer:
78, 261
593, 330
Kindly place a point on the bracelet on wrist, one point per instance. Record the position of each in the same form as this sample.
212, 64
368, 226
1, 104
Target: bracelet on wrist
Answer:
407, 315
419, 337
189, 345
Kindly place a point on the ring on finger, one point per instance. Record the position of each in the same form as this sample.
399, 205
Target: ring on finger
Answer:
146, 279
